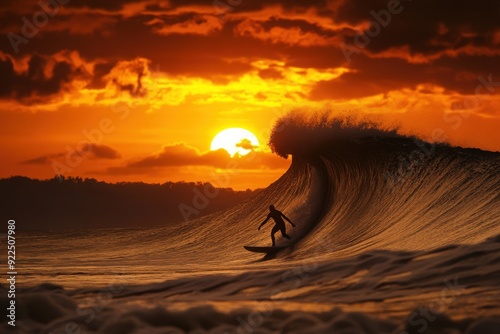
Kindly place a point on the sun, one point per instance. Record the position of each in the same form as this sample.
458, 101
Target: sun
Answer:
235, 141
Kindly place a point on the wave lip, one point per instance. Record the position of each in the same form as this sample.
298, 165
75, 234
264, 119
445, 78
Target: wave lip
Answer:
300, 134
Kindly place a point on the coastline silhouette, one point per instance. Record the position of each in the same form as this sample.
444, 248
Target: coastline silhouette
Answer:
76, 203
277, 216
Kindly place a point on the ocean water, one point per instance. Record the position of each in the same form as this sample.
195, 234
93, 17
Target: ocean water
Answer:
394, 235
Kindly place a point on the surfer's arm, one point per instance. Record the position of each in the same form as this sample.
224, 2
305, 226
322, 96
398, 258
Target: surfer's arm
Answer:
288, 219
265, 221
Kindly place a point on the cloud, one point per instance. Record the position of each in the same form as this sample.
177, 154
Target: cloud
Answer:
448, 25
91, 151
66, 77
246, 144
102, 152
182, 155
40, 77
372, 76
110, 5
127, 76
288, 32
186, 24
270, 73
44, 159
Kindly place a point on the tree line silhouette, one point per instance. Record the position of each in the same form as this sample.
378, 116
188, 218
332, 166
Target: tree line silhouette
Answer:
76, 203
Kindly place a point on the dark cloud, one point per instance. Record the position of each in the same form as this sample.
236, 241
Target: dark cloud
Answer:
43, 78
185, 23
371, 76
426, 26
100, 71
182, 155
288, 32
46, 77
246, 144
44, 159
252, 6
137, 69
270, 73
110, 5
102, 152
91, 151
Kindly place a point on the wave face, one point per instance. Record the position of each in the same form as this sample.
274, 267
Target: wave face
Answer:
400, 193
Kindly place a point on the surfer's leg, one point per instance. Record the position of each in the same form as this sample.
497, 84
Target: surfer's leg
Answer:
283, 233
274, 230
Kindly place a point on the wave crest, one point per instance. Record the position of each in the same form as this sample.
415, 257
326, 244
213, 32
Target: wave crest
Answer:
304, 133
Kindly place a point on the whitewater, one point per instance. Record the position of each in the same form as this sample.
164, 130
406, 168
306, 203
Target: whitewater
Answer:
394, 235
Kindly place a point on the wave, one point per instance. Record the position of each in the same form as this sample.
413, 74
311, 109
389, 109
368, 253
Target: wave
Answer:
351, 187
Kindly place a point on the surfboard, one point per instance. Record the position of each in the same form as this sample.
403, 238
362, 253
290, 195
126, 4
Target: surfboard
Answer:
267, 250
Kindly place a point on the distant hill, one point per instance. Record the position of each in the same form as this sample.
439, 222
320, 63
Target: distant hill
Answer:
76, 203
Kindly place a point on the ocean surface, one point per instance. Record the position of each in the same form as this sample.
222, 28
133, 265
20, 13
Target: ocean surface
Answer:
394, 235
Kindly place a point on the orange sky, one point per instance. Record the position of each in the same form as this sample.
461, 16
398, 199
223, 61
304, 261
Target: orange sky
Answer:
140, 88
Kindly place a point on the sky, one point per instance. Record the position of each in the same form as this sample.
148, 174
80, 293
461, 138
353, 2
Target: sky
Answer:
136, 90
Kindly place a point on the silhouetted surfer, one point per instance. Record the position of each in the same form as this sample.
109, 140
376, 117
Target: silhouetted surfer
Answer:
279, 223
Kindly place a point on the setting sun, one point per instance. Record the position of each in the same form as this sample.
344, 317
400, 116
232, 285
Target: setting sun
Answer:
235, 141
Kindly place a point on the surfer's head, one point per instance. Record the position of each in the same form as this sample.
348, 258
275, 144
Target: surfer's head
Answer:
271, 207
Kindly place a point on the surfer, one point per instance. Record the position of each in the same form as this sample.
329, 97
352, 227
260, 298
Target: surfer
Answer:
279, 223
